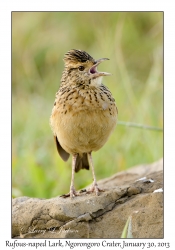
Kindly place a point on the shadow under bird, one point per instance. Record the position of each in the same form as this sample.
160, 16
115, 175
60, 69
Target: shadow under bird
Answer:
84, 113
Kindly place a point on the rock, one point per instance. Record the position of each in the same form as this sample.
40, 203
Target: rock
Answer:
128, 193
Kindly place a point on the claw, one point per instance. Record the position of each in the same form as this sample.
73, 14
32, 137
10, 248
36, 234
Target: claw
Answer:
71, 194
65, 195
94, 188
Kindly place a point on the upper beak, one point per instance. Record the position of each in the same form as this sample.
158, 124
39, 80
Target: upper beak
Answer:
94, 72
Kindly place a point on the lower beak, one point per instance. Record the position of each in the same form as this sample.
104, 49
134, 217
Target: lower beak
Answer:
94, 72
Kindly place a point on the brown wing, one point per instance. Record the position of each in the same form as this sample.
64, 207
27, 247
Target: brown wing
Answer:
64, 155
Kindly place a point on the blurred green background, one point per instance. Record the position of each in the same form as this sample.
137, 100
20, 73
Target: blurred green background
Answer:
134, 43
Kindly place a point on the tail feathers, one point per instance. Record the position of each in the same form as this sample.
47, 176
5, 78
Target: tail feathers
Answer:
81, 162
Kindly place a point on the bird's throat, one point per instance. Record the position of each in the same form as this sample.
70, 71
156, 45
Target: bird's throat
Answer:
96, 81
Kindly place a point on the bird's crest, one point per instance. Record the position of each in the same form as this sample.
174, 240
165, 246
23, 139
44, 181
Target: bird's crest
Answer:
75, 56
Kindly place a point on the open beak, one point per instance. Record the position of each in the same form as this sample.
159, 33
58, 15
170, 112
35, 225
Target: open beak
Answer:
94, 72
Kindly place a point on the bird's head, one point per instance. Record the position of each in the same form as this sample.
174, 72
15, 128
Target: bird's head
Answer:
81, 66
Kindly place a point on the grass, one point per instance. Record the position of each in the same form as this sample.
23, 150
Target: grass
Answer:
127, 230
134, 43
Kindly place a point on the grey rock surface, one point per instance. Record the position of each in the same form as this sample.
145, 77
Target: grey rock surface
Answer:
128, 193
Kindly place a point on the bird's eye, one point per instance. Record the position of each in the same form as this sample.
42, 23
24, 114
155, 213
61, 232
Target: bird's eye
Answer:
81, 68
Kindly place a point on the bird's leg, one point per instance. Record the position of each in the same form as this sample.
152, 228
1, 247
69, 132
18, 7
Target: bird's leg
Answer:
94, 185
72, 189
72, 192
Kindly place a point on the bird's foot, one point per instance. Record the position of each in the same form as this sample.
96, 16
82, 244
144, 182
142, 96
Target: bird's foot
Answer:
71, 194
94, 188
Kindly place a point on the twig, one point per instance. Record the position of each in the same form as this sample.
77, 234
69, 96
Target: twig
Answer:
135, 125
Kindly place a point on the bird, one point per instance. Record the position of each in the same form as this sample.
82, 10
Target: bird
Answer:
84, 113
